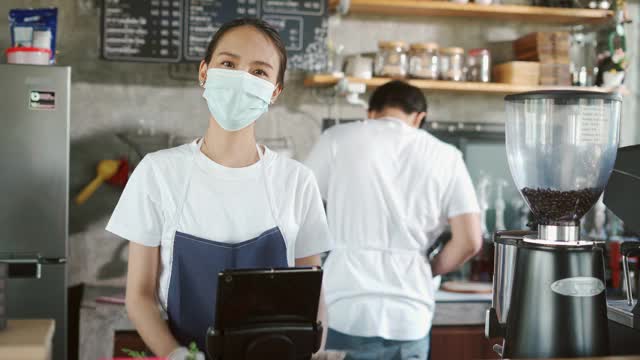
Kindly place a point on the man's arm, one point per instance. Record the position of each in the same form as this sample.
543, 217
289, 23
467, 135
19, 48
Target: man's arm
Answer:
322, 307
465, 242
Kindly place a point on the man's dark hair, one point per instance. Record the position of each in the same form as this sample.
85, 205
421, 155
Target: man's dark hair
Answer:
398, 94
261, 26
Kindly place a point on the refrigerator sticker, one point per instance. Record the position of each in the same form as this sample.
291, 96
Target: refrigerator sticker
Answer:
42, 100
580, 286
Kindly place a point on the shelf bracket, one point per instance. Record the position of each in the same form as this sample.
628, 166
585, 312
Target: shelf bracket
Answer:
344, 6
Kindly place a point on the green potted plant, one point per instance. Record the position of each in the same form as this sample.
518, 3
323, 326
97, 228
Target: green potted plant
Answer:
193, 352
614, 75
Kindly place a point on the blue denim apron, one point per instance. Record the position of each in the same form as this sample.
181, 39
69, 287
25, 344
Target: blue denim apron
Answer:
195, 266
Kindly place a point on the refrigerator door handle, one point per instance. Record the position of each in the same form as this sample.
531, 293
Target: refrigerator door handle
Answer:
21, 268
52, 261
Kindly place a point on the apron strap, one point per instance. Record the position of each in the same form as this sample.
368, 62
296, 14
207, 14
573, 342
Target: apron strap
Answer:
183, 196
267, 188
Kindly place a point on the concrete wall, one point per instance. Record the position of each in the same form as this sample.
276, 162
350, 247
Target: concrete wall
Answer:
110, 97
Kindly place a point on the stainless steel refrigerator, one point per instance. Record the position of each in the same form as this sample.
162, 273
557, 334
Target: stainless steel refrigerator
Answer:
34, 180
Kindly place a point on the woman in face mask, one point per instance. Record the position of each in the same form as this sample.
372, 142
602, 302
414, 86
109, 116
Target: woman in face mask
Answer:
219, 202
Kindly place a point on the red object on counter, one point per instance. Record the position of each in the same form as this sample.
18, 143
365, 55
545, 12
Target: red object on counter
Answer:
115, 300
122, 176
128, 358
614, 263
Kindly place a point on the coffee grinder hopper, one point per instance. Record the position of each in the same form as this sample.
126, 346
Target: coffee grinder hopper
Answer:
561, 148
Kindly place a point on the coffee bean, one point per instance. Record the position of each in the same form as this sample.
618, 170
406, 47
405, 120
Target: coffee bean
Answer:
553, 207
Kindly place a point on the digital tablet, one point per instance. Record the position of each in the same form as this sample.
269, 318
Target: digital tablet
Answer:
261, 296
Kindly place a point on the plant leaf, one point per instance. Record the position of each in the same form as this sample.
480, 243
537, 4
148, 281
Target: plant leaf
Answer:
133, 353
193, 347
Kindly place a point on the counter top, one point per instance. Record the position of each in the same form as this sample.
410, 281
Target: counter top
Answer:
448, 296
457, 309
27, 339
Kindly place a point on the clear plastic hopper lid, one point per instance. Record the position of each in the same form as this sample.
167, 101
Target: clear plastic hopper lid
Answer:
561, 148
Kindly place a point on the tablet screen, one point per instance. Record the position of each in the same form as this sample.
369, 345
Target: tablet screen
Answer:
248, 297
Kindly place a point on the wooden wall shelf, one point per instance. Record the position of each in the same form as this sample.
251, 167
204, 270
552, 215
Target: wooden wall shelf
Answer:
541, 14
321, 80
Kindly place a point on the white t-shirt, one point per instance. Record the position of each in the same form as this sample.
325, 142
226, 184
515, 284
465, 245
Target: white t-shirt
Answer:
222, 204
390, 190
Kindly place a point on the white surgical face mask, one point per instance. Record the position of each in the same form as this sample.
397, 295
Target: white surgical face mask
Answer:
236, 98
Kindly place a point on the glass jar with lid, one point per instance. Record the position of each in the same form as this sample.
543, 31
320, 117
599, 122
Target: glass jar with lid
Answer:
452, 64
423, 61
479, 65
392, 59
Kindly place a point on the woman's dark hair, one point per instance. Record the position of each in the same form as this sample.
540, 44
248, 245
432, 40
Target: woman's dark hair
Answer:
261, 26
398, 94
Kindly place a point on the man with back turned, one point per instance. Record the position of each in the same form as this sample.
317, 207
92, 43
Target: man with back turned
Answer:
390, 190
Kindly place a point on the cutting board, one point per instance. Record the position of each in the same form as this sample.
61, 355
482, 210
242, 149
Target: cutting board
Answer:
27, 339
467, 287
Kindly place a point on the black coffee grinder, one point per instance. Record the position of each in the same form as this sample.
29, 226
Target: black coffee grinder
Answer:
549, 290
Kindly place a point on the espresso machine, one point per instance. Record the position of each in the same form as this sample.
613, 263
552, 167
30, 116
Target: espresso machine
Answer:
549, 293
620, 197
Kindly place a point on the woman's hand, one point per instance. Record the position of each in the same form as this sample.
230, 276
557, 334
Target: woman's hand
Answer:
182, 353
142, 307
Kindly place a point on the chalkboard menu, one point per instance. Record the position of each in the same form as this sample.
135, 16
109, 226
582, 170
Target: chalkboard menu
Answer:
303, 26
180, 30
142, 30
